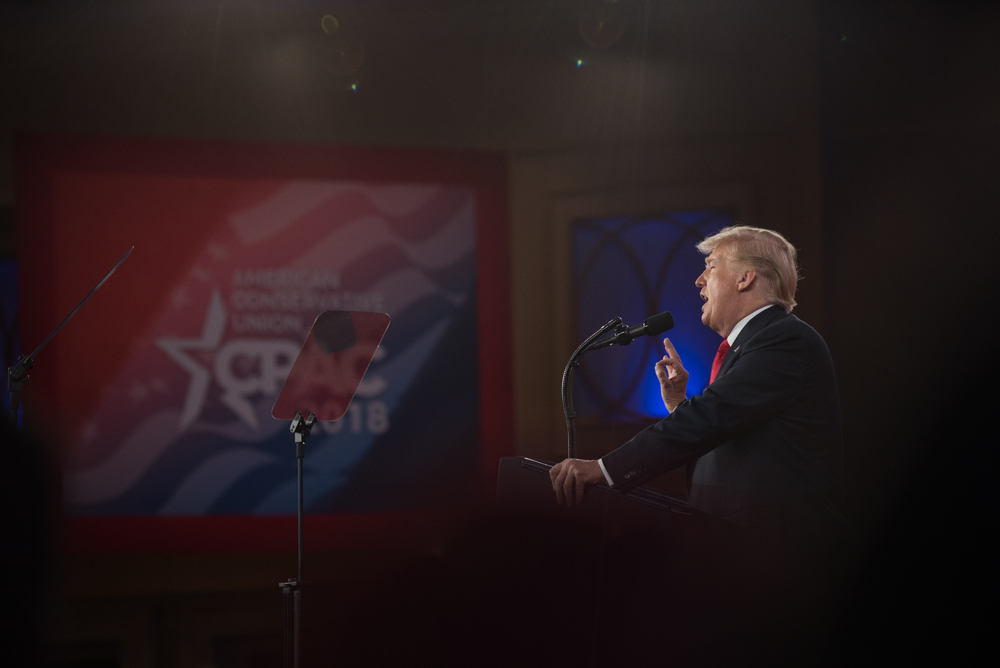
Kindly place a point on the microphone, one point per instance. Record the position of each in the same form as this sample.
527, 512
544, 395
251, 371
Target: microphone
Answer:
624, 335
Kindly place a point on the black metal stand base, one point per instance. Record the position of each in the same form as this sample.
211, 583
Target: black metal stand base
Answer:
17, 378
293, 623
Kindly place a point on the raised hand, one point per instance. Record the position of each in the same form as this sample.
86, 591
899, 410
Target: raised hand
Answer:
673, 377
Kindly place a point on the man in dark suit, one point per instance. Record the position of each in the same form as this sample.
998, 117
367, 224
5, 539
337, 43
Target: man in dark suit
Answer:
764, 439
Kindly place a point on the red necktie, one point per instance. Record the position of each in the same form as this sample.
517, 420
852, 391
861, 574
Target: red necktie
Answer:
717, 362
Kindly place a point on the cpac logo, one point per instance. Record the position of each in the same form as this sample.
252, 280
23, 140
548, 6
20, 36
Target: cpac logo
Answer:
243, 368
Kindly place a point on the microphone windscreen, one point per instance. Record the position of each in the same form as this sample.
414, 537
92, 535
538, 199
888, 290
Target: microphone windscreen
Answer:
659, 323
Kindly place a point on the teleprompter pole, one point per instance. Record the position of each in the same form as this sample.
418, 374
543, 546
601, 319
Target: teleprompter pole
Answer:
292, 589
17, 375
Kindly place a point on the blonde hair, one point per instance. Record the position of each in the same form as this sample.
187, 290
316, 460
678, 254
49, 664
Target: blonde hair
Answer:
766, 252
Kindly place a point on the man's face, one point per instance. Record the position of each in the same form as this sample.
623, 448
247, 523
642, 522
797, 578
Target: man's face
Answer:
718, 289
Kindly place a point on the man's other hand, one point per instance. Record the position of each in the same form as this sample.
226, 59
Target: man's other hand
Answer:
673, 377
570, 477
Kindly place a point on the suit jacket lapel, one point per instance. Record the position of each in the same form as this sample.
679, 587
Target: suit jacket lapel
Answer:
756, 324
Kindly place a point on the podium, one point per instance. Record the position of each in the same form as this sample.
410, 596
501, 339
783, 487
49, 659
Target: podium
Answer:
524, 488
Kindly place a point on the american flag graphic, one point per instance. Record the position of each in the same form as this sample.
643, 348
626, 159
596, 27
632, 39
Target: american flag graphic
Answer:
185, 427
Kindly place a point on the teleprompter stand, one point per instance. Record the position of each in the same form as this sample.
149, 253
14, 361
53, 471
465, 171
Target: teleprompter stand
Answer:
323, 380
293, 588
17, 375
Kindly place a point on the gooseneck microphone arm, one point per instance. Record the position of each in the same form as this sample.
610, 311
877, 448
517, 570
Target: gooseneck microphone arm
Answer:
567, 385
652, 326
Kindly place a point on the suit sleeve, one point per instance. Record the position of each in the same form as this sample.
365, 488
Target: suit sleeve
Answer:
762, 383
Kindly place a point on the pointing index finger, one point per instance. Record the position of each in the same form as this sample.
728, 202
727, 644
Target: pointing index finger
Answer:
669, 347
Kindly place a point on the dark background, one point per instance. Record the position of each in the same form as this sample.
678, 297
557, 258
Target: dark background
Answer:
868, 132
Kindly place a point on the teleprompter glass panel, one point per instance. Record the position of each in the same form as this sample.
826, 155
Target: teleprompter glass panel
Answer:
331, 365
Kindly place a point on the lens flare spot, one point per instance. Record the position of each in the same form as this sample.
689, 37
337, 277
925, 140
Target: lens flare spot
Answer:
602, 24
579, 63
354, 87
330, 24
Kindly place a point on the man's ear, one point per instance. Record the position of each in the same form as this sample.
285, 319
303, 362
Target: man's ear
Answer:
746, 280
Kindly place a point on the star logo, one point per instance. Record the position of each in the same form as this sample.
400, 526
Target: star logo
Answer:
211, 338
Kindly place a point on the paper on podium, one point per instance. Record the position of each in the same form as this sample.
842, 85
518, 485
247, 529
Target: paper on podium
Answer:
331, 364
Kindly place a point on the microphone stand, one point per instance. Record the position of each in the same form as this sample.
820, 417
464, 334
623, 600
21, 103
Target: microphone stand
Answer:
654, 324
567, 383
17, 376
